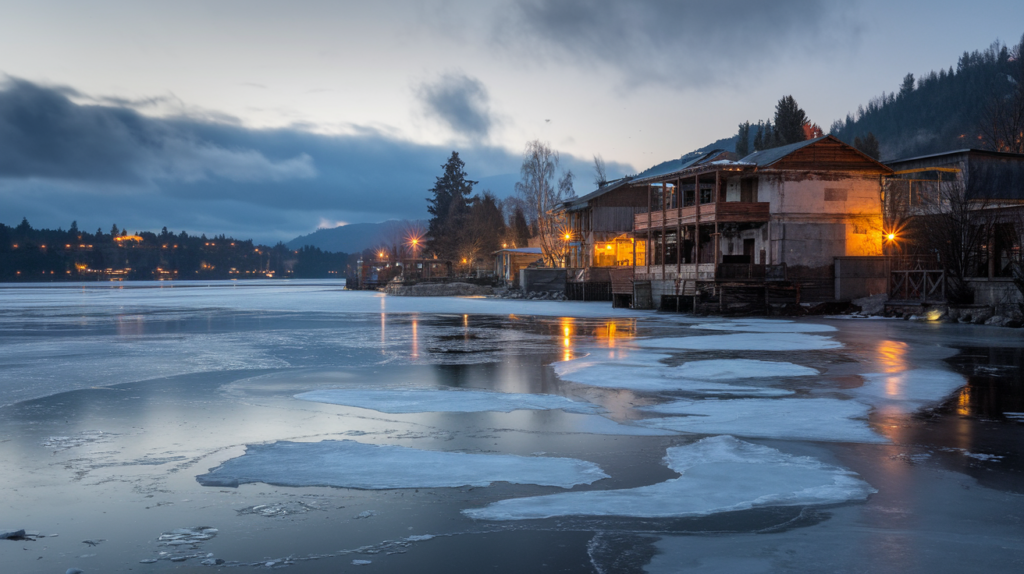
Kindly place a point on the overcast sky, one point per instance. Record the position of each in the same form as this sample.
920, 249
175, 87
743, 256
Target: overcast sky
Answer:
268, 119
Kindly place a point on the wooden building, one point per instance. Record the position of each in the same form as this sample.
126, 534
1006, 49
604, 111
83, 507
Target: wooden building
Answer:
508, 262
780, 215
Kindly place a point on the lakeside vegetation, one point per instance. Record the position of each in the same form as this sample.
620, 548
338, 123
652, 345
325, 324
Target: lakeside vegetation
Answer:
28, 254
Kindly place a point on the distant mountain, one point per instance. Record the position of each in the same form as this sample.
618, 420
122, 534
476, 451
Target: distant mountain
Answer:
355, 237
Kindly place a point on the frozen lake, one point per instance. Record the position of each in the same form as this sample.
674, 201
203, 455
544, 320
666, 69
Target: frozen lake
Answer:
294, 425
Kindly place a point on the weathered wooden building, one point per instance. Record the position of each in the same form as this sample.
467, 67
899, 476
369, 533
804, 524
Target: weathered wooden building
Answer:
779, 216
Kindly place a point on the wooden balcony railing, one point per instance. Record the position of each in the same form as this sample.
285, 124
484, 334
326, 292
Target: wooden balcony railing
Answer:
726, 211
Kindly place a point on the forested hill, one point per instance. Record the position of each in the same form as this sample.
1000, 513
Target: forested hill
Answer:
941, 111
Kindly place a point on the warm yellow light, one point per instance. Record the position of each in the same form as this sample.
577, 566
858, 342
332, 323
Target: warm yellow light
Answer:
568, 237
892, 236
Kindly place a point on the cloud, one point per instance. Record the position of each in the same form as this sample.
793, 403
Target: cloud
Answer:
47, 135
460, 102
97, 164
681, 44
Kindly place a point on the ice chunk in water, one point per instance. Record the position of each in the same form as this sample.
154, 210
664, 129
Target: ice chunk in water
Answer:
799, 419
642, 372
719, 474
763, 326
458, 401
350, 464
743, 342
907, 391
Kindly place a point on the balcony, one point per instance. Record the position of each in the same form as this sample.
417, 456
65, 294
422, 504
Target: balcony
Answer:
722, 212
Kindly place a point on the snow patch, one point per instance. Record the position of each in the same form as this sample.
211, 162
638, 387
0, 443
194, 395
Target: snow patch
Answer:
743, 342
719, 474
350, 464
795, 419
396, 401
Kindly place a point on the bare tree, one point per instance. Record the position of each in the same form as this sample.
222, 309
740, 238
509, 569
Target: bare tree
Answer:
958, 227
600, 175
541, 193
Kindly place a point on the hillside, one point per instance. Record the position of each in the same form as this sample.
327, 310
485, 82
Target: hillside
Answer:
937, 112
356, 237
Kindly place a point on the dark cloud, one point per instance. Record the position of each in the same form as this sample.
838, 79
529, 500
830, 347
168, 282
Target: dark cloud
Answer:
684, 44
63, 161
44, 134
460, 102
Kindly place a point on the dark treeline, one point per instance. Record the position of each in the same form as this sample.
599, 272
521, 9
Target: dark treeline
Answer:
28, 254
789, 125
943, 110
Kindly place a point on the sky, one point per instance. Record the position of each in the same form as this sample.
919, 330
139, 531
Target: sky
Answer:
267, 120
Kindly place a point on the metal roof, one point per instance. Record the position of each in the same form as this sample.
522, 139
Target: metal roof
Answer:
955, 152
528, 250
580, 202
675, 165
769, 156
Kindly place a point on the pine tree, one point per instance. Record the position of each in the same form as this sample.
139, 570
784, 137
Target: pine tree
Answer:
789, 121
743, 140
520, 229
759, 137
447, 206
868, 145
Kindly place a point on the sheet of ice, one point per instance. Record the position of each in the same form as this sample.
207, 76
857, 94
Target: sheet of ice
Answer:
350, 464
448, 400
766, 327
730, 369
907, 391
719, 474
642, 371
797, 419
277, 295
742, 342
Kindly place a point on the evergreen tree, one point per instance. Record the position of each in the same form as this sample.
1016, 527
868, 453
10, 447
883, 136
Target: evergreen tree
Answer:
907, 86
73, 230
789, 121
114, 231
771, 139
759, 137
448, 207
868, 145
23, 227
520, 229
743, 140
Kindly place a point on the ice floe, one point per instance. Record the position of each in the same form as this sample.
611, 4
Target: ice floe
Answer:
773, 326
642, 371
907, 391
816, 419
448, 400
743, 342
719, 474
350, 464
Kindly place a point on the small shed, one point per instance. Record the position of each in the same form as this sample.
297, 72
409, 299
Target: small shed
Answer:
508, 262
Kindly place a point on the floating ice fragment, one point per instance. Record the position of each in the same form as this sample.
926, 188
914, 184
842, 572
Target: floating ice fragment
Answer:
907, 391
365, 514
742, 342
799, 419
727, 369
419, 537
454, 400
350, 464
695, 377
719, 474
766, 326
361, 562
